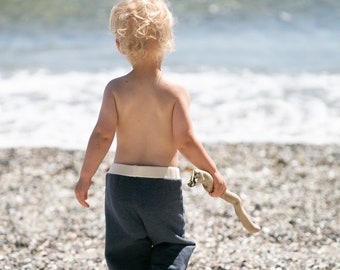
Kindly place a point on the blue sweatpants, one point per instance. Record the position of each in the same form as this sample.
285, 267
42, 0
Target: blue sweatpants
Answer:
145, 224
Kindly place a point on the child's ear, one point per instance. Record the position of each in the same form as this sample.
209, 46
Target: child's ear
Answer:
119, 47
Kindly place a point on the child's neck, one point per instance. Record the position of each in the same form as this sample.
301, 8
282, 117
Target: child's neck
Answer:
147, 68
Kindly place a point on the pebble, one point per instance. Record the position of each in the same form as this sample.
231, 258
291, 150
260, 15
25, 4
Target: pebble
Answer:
291, 191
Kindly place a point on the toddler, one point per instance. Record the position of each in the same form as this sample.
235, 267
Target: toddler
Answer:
150, 117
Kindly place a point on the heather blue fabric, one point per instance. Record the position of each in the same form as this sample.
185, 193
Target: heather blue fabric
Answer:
145, 224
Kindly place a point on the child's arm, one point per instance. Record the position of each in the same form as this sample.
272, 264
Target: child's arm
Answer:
98, 146
189, 145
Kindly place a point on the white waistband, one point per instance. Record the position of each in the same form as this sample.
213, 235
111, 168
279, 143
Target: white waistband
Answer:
145, 171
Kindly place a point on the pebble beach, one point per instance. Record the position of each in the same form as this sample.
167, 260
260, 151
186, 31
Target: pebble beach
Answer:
258, 71
291, 191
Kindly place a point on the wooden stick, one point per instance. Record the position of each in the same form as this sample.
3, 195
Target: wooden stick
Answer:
203, 177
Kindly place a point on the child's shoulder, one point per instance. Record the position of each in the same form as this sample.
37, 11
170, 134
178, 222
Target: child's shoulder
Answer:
173, 89
115, 83
115, 86
178, 90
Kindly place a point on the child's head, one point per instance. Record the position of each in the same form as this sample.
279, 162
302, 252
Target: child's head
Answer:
143, 28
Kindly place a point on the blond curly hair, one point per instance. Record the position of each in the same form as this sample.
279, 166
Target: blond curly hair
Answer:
143, 28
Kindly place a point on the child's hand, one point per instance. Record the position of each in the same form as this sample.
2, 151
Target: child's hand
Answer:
81, 191
219, 185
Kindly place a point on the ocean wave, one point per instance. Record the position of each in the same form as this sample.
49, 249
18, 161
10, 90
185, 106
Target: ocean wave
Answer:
60, 109
59, 12
261, 35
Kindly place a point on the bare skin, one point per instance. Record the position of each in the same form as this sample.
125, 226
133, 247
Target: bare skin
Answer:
151, 119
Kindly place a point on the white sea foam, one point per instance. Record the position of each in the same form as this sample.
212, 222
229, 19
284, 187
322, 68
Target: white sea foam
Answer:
46, 109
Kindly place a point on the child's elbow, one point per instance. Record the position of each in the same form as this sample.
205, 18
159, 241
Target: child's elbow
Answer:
103, 134
185, 141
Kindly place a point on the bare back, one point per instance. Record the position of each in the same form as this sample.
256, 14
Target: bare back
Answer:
144, 120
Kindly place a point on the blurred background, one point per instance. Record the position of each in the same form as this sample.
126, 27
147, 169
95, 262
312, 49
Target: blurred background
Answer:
257, 70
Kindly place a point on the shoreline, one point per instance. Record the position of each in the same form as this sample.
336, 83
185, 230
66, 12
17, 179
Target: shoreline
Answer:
291, 190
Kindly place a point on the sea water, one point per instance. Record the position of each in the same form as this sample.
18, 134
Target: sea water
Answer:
257, 70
